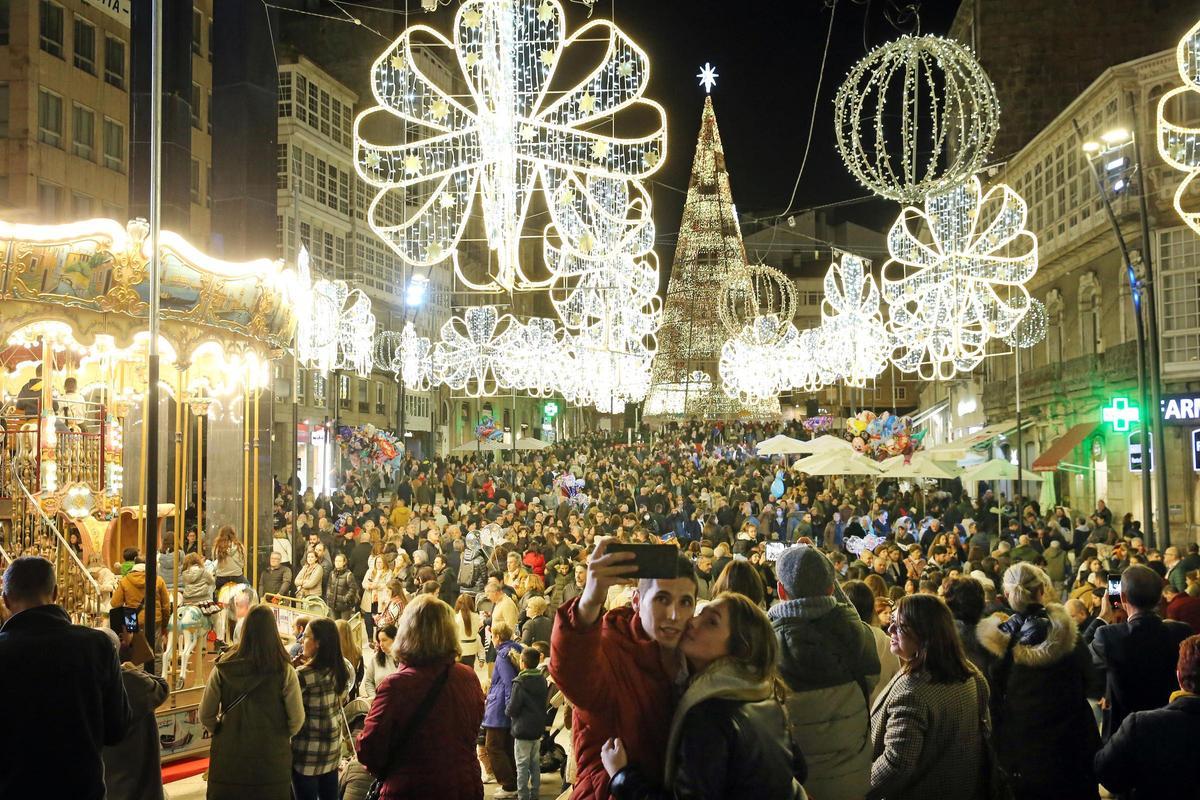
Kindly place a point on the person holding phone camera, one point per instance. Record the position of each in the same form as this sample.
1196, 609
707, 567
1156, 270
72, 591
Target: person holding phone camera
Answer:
1137, 656
621, 669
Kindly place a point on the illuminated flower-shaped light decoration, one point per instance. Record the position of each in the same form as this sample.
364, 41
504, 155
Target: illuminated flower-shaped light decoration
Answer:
355, 331
508, 132
599, 373
1179, 145
948, 297
407, 356
853, 342
528, 355
755, 371
606, 258
471, 345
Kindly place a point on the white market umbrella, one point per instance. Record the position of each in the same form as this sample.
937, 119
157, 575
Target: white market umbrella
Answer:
921, 465
529, 443
826, 444
780, 446
479, 447
838, 463
1047, 499
998, 469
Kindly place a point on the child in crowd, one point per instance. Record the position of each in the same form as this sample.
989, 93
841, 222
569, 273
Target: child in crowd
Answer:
527, 711
299, 627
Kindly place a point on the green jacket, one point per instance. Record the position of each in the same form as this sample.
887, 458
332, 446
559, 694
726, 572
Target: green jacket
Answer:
252, 754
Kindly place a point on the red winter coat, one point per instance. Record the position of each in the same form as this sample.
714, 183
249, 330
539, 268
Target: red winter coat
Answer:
536, 563
612, 673
438, 760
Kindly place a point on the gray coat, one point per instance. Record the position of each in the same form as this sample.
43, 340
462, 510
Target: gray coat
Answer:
829, 662
927, 739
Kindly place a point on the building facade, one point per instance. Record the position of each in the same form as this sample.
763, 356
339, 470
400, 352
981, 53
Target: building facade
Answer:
1088, 358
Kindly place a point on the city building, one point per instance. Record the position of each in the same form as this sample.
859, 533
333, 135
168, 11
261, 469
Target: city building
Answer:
1088, 359
803, 246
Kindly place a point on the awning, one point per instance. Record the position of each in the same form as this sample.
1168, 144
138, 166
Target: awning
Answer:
979, 440
1062, 447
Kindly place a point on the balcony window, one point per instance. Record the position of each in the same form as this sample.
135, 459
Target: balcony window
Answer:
85, 46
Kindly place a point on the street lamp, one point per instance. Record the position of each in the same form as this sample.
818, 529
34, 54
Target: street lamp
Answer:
1113, 169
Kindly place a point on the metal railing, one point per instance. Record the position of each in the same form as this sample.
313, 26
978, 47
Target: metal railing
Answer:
78, 591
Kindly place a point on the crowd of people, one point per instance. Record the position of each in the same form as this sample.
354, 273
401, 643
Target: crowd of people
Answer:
811, 638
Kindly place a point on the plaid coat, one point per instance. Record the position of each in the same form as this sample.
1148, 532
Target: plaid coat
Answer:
316, 749
928, 739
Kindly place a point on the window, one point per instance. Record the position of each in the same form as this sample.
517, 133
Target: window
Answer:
901, 393
49, 201
114, 145
210, 39
300, 385
83, 142
281, 166
50, 121
319, 386
196, 106
380, 405
1179, 271
3, 108
195, 181
197, 32
209, 113
1089, 315
50, 25
1054, 327
344, 391
114, 62
363, 404
4, 4
285, 94
85, 45
81, 206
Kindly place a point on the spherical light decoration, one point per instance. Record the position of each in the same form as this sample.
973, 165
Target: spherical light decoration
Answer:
948, 296
852, 340
916, 116
1031, 330
757, 292
1179, 145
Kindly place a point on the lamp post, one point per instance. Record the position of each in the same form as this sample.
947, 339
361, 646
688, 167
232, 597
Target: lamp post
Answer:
1106, 156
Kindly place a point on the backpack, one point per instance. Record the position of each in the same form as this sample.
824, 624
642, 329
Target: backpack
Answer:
466, 572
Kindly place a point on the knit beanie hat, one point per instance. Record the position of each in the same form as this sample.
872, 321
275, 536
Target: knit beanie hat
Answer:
804, 571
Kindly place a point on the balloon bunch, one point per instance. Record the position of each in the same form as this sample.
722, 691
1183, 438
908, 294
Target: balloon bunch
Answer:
818, 424
487, 430
569, 487
366, 445
857, 545
884, 435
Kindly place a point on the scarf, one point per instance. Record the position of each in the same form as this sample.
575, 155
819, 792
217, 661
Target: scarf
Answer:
725, 679
1181, 693
803, 608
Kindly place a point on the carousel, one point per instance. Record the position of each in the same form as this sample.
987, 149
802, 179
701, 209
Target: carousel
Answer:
74, 307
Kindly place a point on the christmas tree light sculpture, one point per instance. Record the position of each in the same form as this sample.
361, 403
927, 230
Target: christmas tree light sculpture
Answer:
709, 250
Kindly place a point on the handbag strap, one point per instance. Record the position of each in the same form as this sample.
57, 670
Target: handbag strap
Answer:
417, 718
238, 700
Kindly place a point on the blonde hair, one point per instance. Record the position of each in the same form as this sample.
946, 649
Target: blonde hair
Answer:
502, 631
350, 649
425, 633
1025, 585
537, 605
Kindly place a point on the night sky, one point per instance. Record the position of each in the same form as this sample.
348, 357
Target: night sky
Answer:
768, 54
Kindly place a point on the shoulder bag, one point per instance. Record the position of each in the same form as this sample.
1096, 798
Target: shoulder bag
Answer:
237, 701
397, 745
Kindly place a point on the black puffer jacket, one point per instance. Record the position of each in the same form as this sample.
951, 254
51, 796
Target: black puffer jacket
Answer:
723, 747
1042, 727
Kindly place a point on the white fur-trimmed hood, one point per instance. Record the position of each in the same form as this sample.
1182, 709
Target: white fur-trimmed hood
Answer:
1060, 640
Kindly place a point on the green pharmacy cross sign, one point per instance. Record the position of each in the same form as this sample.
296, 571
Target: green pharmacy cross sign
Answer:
1120, 413
550, 410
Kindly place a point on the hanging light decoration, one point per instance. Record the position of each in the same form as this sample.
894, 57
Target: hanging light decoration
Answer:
925, 97
510, 134
751, 372
852, 340
948, 297
407, 356
469, 349
528, 355
807, 371
1179, 145
757, 292
1031, 330
355, 330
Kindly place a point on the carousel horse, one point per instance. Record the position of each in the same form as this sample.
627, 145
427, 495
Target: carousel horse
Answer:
194, 626
236, 600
